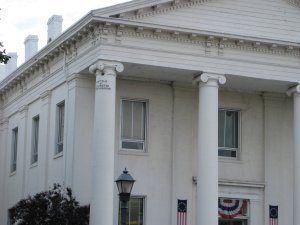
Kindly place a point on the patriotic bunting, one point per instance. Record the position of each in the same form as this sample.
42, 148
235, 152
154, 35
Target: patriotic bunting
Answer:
230, 208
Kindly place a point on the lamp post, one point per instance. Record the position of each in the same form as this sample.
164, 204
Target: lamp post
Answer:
124, 184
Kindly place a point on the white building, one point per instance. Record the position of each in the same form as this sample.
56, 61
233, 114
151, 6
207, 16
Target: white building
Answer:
156, 86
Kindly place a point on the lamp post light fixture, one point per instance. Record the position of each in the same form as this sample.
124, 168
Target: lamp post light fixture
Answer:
124, 183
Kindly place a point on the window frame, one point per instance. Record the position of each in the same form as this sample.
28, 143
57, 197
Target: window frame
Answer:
35, 139
143, 197
14, 150
145, 145
238, 149
60, 130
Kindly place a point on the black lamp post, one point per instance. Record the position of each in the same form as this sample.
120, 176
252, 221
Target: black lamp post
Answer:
124, 184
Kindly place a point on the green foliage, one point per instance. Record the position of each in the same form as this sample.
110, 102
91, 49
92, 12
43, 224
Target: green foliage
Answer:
3, 56
54, 207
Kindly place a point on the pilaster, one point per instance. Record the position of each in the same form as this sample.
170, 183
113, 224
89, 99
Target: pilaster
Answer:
79, 115
3, 163
295, 92
22, 151
43, 154
104, 142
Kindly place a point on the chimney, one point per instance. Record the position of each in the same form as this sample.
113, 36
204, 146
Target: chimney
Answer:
12, 63
54, 27
31, 46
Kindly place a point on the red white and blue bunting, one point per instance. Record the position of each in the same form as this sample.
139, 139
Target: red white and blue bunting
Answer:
230, 208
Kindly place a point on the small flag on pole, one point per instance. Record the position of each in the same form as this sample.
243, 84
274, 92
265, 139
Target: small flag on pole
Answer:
181, 212
273, 214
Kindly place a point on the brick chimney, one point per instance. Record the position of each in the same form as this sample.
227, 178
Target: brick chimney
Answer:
54, 27
31, 46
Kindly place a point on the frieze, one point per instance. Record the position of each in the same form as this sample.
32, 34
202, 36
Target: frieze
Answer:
214, 42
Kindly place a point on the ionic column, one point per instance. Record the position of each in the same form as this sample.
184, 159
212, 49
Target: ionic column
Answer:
295, 91
101, 212
207, 180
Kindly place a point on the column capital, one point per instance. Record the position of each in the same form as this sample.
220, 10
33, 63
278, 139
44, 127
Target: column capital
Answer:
213, 78
293, 90
102, 67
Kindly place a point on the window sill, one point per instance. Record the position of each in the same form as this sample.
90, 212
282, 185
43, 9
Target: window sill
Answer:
58, 155
133, 152
33, 165
13, 173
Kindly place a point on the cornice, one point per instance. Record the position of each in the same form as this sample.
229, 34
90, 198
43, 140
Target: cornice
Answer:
95, 30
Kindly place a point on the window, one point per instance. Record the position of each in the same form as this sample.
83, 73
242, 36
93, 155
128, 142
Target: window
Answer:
228, 133
60, 127
35, 139
14, 150
135, 211
133, 124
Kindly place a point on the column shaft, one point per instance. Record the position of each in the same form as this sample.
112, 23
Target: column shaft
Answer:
103, 144
207, 182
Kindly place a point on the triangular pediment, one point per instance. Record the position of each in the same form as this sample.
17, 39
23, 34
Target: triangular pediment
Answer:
276, 19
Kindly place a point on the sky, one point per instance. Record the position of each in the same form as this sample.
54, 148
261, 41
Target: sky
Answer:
20, 18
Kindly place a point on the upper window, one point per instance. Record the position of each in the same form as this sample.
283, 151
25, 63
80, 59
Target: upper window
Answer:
133, 124
135, 212
35, 139
14, 150
60, 126
228, 133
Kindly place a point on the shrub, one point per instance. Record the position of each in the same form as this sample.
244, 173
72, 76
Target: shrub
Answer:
54, 207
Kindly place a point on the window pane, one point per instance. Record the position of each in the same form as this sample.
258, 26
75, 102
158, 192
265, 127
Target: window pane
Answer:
133, 145
60, 126
229, 118
35, 139
133, 124
221, 128
126, 119
227, 153
138, 120
14, 149
135, 213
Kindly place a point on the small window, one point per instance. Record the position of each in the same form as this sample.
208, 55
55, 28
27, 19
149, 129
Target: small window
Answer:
60, 124
14, 150
35, 139
228, 133
133, 125
135, 213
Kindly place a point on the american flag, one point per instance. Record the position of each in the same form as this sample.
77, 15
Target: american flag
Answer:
273, 214
181, 212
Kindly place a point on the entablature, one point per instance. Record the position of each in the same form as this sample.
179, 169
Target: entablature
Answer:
95, 31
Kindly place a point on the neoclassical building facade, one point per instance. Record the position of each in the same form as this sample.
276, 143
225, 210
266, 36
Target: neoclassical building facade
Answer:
198, 99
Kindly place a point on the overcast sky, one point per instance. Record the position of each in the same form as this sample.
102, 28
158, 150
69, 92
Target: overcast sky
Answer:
19, 18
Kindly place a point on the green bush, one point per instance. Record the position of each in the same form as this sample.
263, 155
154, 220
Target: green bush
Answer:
54, 207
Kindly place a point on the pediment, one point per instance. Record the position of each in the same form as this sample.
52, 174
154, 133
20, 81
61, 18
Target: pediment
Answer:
277, 19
